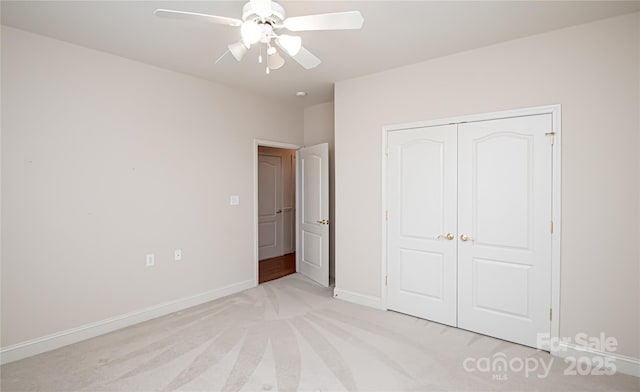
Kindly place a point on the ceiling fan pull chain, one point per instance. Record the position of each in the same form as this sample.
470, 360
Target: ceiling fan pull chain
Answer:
260, 57
268, 71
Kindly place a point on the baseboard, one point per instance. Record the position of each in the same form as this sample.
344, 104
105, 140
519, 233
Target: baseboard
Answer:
356, 298
623, 363
51, 342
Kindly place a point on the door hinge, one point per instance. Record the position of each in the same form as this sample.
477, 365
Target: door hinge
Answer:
386, 215
551, 227
386, 280
550, 314
552, 134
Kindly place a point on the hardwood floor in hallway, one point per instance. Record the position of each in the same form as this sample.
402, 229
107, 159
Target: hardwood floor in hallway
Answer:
276, 267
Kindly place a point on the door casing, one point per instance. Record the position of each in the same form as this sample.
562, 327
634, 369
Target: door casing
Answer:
265, 143
555, 111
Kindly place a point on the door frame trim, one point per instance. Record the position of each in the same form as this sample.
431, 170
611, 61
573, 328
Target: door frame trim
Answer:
256, 144
555, 111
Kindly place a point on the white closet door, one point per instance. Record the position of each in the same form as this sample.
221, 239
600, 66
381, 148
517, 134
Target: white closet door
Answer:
504, 210
421, 199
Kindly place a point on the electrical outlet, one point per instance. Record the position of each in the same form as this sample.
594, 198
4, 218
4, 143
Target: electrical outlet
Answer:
177, 255
151, 260
234, 200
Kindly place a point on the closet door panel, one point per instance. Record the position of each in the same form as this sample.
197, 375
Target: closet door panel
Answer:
421, 195
504, 219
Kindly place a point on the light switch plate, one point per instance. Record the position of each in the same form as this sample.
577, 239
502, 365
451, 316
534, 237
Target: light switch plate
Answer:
234, 200
177, 255
151, 260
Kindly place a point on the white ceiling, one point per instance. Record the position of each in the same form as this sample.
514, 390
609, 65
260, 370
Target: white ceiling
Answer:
395, 33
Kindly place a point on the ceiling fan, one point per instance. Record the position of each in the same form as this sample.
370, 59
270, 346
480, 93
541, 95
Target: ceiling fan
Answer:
261, 23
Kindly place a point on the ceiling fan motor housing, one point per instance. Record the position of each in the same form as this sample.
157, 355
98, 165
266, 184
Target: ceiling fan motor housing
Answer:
276, 18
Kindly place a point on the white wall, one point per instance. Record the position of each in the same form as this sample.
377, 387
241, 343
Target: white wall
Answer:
593, 71
318, 128
105, 160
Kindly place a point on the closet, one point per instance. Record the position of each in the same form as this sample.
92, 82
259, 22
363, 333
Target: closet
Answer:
469, 225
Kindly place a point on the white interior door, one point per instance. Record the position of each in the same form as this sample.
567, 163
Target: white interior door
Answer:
504, 223
421, 230
312, 254
269, 206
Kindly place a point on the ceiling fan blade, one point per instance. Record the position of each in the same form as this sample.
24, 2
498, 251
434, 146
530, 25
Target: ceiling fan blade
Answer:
337, 21
223, 54
261, 7
197, 17
307, 59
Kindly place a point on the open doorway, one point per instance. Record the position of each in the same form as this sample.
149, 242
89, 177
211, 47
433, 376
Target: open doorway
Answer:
300, 202
276, 212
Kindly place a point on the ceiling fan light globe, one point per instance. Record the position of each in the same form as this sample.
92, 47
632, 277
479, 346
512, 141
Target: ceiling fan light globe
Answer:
238, 50
290, 43
275, 61
251, 32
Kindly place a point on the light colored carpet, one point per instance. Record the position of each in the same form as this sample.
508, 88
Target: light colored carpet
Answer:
289, 335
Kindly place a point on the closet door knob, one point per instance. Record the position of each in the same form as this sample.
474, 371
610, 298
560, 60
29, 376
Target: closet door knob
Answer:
465, 238
449, 236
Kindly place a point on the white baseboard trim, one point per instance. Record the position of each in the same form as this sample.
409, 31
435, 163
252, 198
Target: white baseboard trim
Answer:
51, 342
356, 298
623, 363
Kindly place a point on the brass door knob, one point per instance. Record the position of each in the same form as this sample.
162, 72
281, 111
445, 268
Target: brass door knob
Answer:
279, 212
449, 236
323, 222
464, 237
